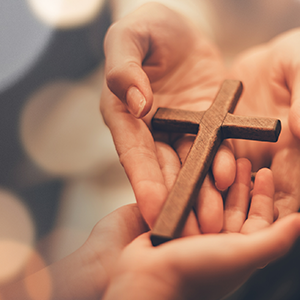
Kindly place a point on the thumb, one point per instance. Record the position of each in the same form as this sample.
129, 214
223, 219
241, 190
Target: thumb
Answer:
125, 50
294, 113
287, 45
293, 81
119, 228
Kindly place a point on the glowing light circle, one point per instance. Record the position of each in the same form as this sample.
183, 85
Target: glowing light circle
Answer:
66, 13
62, 130
16, 235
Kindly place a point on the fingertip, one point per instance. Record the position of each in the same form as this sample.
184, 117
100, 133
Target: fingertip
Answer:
212, 227
224, 167
264, 172
264, 183
136, 102
131, 85
209, 208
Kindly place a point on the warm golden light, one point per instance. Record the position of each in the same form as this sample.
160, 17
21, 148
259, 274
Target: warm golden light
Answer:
13, 255
62, 129
38, 285
16, 235
66, 13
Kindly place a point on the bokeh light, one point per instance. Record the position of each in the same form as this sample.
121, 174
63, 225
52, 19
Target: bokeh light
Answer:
38, 286
62, 129
66, 13
85, 201
17, 235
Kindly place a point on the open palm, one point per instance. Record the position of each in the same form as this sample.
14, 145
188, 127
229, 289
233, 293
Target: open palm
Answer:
271, 77
210, 265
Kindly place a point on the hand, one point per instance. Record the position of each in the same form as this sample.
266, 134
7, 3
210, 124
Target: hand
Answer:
271, 77
156, 57
209, 266
118, 261
84, 274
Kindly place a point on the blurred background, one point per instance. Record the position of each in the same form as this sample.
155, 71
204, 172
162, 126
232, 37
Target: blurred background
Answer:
60, 173
59, 170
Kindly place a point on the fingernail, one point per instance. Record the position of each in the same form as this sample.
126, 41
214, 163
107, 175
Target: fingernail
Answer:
135, 101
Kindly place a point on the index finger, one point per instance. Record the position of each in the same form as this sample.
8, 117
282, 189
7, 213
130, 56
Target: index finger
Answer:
125, 51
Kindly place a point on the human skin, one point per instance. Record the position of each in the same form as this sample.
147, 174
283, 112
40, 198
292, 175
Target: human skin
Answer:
118, 260
271, 77
145, 68
209, 266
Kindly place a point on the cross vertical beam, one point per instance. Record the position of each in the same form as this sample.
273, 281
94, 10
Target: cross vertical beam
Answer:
211, 126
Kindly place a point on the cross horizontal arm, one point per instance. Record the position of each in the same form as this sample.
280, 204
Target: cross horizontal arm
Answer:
251, 128
177, 120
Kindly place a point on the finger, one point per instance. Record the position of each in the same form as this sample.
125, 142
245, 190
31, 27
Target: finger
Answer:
237, 200
209, 207
294, 113
125, 51
137, 153
224, 166
169, 163
183, 146
116, 231
145, 174
261, 213
209, 204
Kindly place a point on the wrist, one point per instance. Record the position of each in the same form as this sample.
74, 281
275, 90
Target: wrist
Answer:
77, 276
84, 276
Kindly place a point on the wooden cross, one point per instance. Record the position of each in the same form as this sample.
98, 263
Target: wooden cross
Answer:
211, 126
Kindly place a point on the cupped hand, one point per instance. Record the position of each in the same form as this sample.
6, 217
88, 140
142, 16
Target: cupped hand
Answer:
209, 266
271, 77
155, 57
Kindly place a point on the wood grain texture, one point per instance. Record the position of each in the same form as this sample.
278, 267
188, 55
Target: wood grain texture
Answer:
211, 127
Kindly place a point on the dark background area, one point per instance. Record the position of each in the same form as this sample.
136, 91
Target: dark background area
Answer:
67, 54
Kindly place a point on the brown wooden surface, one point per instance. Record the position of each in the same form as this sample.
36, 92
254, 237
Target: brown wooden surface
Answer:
211, 127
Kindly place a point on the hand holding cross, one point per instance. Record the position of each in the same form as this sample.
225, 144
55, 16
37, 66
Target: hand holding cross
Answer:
211, 127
